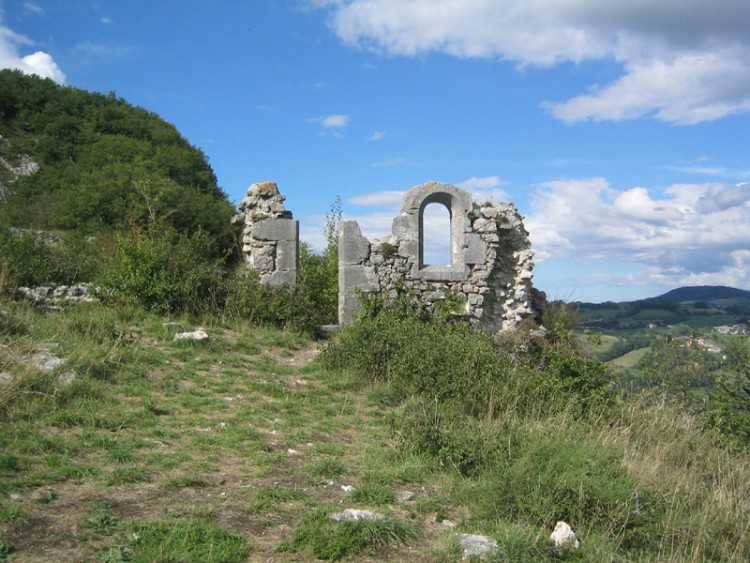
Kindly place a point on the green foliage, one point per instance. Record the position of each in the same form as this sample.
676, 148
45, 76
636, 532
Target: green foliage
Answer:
477, 373
10, 511
373, 494
101, 518
317, 290
455, 441
328, 467
103, 164
7, 551
317, 286
162, 270
552, 477
727, 416
27, 261
331, 540
128, 476
269, 498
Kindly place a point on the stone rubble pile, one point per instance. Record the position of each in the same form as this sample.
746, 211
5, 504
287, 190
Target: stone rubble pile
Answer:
53, 295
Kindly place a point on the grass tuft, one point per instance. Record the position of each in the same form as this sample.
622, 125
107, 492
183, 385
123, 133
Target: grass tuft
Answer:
331, 540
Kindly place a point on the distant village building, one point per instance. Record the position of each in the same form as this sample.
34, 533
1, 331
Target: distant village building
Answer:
733, 329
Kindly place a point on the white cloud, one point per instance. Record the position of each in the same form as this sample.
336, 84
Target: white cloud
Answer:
377, 136
106, 20
39, 62
694, 233
335, 121
31, 7
485, 189
475, 183
683, 61
388, 198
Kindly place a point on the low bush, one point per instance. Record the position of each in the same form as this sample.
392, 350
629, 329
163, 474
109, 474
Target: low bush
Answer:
478, 374
27, 260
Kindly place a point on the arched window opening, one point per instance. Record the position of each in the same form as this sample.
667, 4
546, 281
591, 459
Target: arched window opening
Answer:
436, 225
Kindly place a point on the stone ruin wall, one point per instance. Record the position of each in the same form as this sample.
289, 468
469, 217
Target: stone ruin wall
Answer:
270, 237
491, 258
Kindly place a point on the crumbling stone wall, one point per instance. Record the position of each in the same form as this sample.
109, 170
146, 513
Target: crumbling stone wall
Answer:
491, 260
270, 237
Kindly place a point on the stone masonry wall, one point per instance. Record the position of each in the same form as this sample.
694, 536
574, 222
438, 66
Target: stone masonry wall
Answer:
491, 260
270, 237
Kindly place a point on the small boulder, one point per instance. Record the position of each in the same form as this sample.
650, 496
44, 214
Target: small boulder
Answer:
196, 335
356, 515
564, 536
475, 546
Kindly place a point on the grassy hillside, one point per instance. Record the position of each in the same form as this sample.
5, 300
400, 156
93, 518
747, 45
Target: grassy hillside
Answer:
138, 447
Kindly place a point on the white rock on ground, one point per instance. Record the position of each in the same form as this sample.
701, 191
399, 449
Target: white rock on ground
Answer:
355, 515
564, 535
196, 335
476, 545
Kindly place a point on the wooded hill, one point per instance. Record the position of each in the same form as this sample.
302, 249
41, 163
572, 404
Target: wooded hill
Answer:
102, 164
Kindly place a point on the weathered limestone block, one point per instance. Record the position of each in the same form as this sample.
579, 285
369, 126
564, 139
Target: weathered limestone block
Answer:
275, 229
353, 280
353, 247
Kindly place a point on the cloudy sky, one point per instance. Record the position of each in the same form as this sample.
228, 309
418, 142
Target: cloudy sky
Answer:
615, 127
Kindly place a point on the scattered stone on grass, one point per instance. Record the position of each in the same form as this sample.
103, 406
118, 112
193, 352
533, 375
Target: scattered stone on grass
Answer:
356, 515
475, 545
406, 496
196, 335
564, 536
43, 359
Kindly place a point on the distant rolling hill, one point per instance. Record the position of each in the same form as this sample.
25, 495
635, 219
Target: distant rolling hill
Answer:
705, 293
697, 307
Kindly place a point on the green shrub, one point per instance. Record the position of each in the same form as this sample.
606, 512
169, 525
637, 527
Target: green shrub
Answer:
162, 270
477, 373
27, 260
7, 551
454, 440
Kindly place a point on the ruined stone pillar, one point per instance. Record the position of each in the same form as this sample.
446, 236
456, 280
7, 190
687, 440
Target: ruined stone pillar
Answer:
270, 237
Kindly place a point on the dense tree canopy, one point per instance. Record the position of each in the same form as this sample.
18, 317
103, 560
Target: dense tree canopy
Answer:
104, 164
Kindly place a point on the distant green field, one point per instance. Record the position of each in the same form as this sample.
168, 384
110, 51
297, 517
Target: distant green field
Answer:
604, 346
630, 359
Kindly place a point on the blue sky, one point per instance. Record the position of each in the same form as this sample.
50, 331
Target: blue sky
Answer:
616, 128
